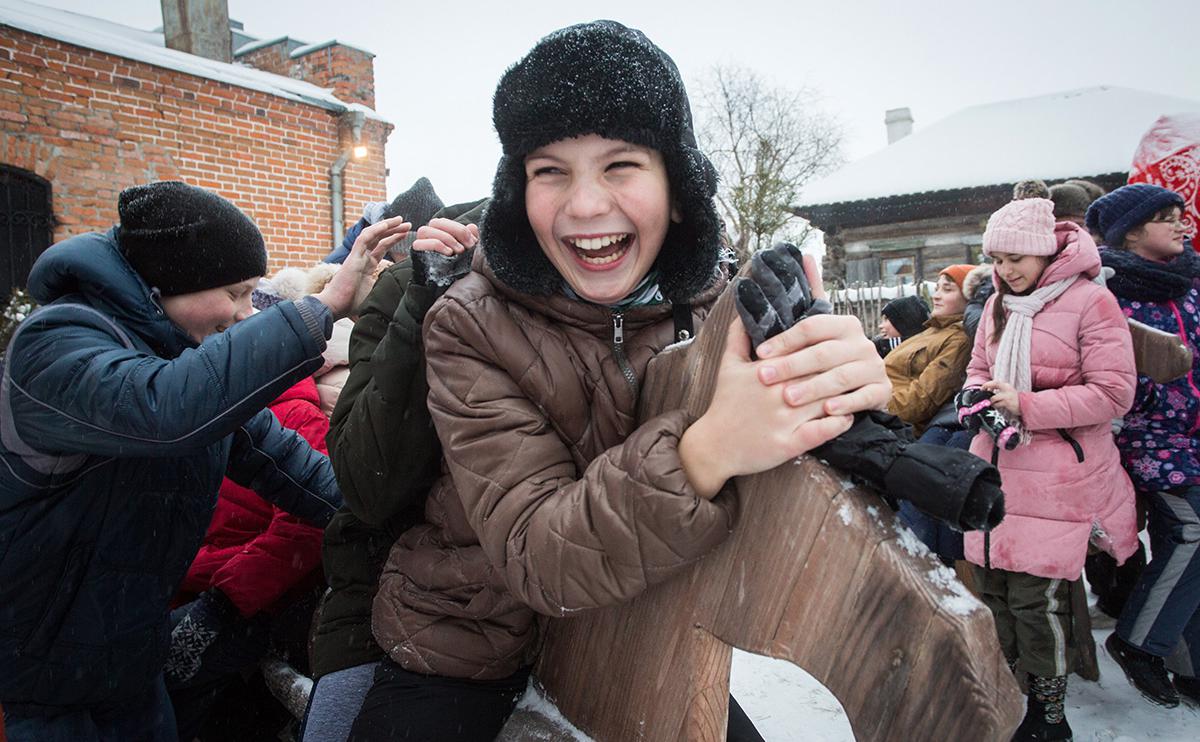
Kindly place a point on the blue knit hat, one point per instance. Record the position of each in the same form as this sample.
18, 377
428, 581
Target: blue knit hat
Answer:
1127, 208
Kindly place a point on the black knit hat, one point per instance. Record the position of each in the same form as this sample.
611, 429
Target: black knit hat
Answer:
600, 78
907, 315
1126, 208
417, 205
181, 239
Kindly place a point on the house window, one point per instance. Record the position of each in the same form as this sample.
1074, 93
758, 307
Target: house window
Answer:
26, 225
898, 270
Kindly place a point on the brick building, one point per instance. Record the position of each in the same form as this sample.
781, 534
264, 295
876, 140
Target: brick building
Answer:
920, 204
89, 107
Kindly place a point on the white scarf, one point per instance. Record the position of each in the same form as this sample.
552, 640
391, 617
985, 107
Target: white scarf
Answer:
1012, 357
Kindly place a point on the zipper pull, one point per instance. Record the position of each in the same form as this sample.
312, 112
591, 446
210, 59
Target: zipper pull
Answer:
618, 329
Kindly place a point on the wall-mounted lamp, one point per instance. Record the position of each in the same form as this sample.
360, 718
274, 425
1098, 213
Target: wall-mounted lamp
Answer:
357, 119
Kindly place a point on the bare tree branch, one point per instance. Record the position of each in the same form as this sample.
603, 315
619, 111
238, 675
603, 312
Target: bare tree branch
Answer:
767, 143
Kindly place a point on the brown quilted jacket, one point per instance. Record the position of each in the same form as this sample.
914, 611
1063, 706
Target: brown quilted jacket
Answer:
553, 499
927, 370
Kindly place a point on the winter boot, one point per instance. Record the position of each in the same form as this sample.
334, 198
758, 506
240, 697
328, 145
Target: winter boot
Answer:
1188, 688
1044, 715
1144, 670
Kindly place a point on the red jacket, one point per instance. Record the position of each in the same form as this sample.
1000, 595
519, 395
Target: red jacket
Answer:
254, 552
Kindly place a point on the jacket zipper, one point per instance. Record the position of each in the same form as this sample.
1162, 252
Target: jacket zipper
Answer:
618, 345
1191, 379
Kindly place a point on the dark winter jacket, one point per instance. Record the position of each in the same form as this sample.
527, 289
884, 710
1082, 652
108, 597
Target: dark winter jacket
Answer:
555, 499
254, 552
385, 453
115, 432
1158, 441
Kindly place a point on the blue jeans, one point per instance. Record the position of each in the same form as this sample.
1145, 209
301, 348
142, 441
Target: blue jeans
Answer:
941, 539
334, 702
1162, 616
146, 719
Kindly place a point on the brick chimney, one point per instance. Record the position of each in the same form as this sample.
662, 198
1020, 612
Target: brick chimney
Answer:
899, 122
349, 71
199, 27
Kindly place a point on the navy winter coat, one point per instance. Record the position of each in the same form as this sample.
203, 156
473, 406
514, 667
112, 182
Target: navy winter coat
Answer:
115, 432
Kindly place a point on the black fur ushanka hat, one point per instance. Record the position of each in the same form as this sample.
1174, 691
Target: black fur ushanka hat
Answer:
600, 78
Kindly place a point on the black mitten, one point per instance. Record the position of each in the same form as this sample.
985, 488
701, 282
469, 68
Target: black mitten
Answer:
435, 269
975, 411
776, 295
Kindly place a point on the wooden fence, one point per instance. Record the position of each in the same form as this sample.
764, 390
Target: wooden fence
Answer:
866, 300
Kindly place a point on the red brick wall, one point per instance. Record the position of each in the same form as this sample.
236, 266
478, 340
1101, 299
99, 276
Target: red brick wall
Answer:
93, 124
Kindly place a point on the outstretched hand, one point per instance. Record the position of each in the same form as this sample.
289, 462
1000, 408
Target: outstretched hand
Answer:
350, 285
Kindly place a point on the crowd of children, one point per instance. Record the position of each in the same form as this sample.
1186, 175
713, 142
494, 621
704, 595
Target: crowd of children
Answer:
166, 504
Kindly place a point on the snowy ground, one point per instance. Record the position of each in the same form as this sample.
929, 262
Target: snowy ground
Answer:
787, 704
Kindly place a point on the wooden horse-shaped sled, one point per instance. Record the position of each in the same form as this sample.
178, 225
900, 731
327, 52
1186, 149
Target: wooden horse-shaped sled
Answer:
817, 573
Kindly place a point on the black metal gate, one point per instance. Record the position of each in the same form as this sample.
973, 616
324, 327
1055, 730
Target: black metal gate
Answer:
26, 225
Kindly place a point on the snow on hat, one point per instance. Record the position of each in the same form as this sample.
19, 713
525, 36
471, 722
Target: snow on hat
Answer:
1169, 156
907, 314
1073, 197
1126, 208
1030, 189
181, 239
607, 79
957, 273
1022, 227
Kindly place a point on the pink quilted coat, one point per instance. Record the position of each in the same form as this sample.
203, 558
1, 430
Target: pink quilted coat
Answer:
1083, 377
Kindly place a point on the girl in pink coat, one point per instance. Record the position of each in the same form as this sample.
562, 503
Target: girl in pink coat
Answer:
1054, 349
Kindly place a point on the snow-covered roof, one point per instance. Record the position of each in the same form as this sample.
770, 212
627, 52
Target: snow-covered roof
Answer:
1076, 133
149, 47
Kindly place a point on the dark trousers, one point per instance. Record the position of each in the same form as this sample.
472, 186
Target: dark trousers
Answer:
1162, 616
403, 705
1033, 619
1111, 583
236, 648
941, 539
145, 719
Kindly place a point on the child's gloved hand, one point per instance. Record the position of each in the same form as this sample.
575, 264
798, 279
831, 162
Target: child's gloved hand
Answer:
197, 626
442, 252
777, 294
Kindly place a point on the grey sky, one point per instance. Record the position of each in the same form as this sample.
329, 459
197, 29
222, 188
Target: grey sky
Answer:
437, 63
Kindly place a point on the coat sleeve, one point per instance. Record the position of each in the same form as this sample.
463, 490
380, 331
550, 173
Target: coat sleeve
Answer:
936, 384
382, 443
279, 558
564, 540
1108, 370
284, 469
78, 388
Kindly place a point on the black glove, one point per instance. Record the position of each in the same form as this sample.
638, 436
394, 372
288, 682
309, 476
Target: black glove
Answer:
948, 484
975, 411
197, 626
435, 269
776, 295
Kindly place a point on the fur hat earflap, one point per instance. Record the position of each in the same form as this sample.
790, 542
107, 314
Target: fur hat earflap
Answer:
319, 275
600, 78
981, 275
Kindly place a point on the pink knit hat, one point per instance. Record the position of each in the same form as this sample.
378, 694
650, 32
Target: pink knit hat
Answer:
1024, 227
